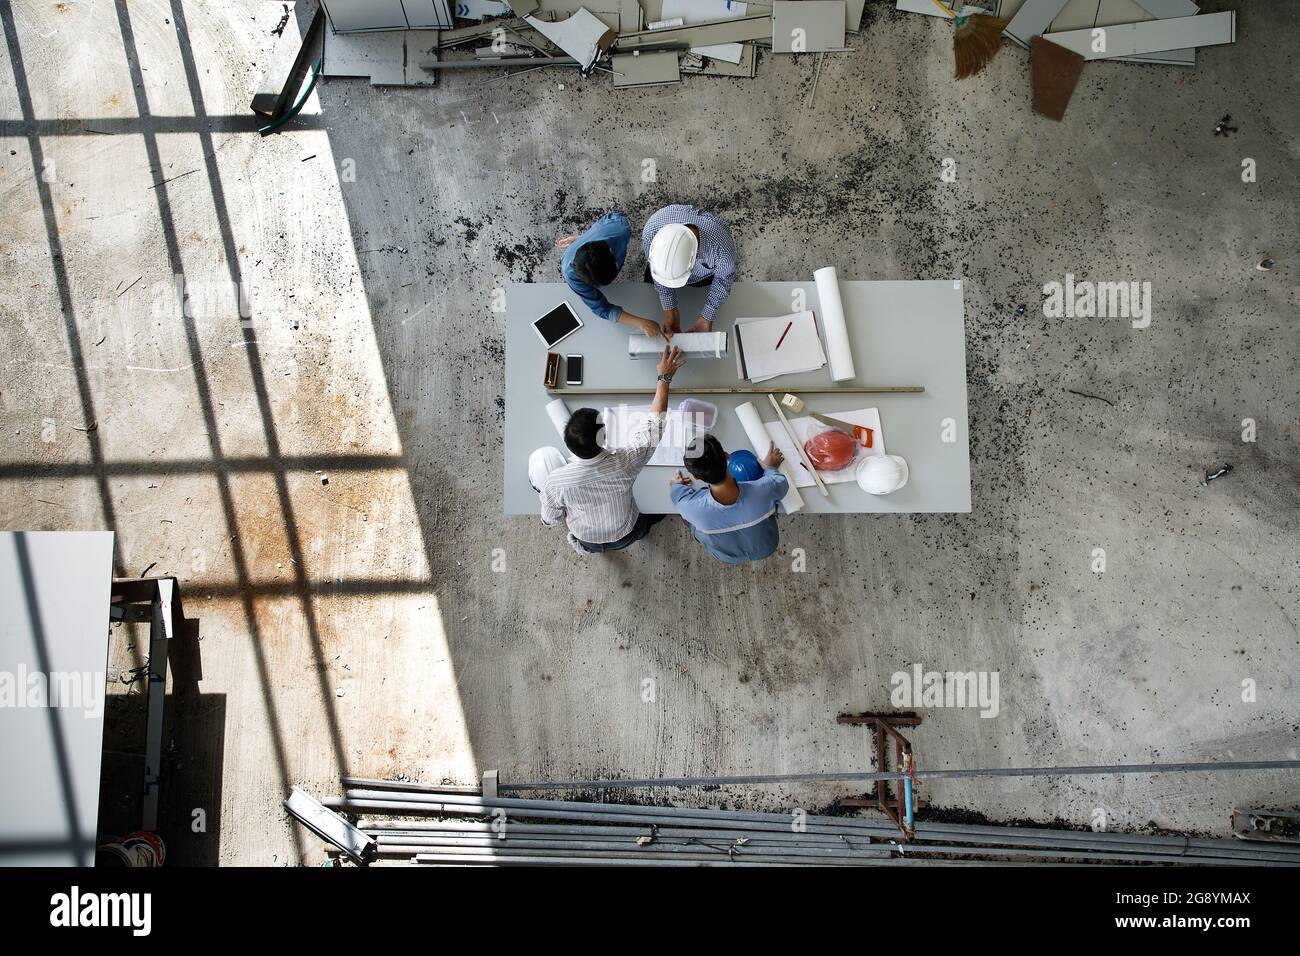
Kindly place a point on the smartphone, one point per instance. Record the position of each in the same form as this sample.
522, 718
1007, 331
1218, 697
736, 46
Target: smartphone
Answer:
573, 370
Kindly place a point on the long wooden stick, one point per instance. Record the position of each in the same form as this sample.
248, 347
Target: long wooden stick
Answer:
738, 390
794, 440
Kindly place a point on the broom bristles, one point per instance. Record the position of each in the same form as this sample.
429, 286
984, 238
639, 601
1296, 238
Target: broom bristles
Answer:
975, 42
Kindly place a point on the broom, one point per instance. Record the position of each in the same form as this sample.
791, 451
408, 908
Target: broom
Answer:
976, 40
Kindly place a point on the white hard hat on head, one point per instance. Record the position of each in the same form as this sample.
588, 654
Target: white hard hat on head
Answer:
881, 474
672, 255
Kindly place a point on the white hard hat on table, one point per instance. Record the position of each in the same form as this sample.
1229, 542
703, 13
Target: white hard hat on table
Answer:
672, 255
881, 474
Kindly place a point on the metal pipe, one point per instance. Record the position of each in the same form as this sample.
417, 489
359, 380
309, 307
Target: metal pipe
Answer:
756, 837
483, 62
1207, 767
722, 827
736, 390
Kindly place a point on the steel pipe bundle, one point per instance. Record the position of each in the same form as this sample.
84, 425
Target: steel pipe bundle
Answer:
508, 831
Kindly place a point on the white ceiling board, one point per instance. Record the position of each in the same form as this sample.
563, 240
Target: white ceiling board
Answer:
646, 69
1032, 19
345, 15
1165, 9
608, 12
1153, 36
380, 56
1085, 14
812, 25
927, 8
55, 590
728, 52
434, 14
579, 35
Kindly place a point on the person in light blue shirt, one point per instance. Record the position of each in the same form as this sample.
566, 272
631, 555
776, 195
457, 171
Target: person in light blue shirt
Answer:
734, 520
594, 259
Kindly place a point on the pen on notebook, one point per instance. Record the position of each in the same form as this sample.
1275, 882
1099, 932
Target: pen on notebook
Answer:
788, 326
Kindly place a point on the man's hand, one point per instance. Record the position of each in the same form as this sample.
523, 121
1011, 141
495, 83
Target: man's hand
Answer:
679, 479
702, 325
672, 322
649, 327
773, 458
565, 241
671, 360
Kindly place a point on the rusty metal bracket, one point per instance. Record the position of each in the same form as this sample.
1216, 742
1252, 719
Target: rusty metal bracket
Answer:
900, 806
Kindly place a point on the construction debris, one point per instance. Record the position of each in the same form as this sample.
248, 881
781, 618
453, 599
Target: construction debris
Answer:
583, 36
653, 42
1131, 31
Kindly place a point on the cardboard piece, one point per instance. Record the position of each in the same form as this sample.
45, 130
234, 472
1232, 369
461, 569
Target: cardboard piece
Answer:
1056, 72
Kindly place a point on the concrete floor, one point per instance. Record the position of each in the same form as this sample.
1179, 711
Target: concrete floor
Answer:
358, 625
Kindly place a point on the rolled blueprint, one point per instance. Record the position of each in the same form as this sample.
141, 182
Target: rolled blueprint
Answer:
760, 440
838, 352
701, 344
559, 415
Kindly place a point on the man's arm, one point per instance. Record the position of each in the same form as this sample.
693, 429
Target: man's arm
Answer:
669, 363
645, 438
718, 292
552, 507
593, 298
777, 483
648, 326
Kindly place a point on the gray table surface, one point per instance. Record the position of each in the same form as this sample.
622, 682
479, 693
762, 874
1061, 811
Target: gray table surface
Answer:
902, 333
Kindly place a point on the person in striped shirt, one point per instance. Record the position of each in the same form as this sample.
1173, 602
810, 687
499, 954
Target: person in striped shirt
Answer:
684, 245
592, 495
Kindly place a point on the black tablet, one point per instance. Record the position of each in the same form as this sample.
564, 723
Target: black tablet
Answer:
557, 325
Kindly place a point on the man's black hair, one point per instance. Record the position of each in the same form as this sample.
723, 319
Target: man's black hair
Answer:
706, 460
594, 263
583, 433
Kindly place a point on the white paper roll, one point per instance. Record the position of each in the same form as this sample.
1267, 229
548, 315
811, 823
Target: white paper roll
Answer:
760, 440
838, 352
559, 415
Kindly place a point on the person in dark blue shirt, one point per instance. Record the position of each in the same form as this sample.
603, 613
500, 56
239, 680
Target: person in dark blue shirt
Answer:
594, 259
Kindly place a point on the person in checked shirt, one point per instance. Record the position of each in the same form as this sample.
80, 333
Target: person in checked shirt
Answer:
593, 494
687, 246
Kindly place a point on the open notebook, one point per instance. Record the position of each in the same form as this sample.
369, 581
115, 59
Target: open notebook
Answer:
758, 357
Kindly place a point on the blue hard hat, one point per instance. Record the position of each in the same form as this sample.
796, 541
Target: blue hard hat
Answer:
744, 465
